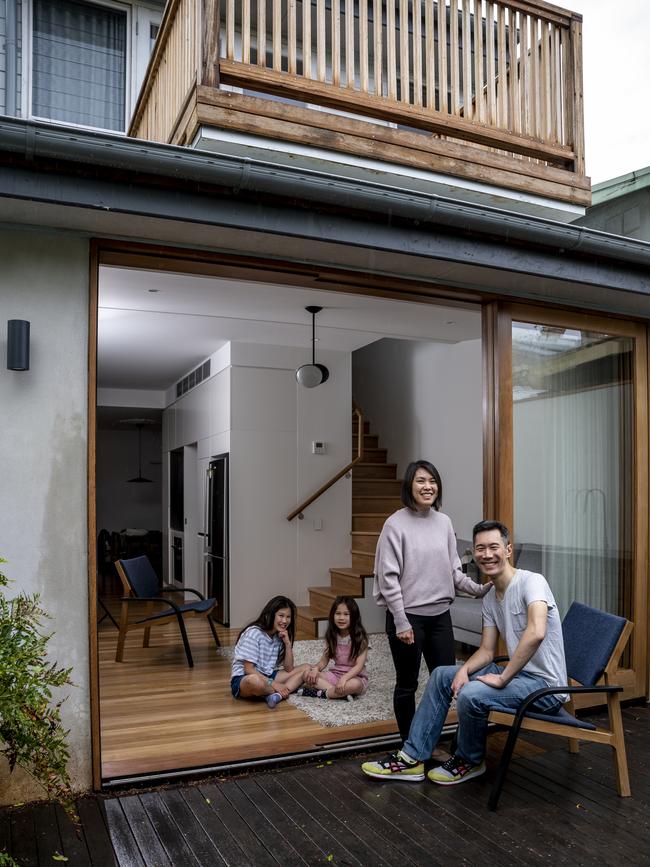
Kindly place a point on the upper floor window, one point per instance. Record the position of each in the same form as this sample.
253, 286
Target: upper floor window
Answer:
79, 63
87, 59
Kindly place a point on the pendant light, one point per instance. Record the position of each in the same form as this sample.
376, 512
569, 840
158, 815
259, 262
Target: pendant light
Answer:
139, 423
311, 375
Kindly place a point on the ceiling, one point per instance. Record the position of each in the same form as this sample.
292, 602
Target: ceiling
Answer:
154, 327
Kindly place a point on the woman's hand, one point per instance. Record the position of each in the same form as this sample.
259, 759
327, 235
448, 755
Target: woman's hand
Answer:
407, 637
312, 676
281, 688
284, 635
485, 588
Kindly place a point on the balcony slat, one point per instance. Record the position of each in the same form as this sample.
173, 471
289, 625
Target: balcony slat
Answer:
350, 59
391, 36
379, 40
292, 36
321, 60
453, 57
533, 79
430, 54
468, 101
277, 35
230, 29
478, 61
442, 55
557, 88
502, 81
545, 75
306, 38
364, 64
513, 79
491, 65
404, 61
246, 31
336, 43
417, 53
261, 33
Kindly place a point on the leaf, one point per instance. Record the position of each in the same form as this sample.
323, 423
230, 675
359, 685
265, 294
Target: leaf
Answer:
208, 801
329, 858
320, 766
59, 857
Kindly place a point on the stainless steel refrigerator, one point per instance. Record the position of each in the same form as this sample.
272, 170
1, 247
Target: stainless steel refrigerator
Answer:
216, 537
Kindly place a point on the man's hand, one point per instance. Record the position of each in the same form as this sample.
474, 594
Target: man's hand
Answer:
462, 677
407, 637
495, 680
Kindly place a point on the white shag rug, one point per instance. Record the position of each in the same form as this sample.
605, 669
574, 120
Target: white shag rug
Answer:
375, 704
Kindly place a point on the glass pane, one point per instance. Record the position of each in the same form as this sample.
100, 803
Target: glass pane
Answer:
79, 64
573, 460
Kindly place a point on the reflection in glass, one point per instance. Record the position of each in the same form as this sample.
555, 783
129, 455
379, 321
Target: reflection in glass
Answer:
573, 442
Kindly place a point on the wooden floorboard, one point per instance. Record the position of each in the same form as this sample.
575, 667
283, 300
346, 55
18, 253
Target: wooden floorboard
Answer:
159, 715
555, 809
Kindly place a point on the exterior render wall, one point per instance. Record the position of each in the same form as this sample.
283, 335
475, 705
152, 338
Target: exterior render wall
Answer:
43, 441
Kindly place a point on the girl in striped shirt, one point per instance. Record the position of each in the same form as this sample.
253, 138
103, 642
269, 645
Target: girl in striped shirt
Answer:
262, 647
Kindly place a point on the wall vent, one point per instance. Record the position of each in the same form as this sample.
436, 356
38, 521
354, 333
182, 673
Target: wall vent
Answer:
187, 383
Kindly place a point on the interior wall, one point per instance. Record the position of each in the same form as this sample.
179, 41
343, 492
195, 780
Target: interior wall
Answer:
424, 400
121, 504
43, 463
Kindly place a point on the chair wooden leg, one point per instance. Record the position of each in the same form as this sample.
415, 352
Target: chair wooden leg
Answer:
186, 643
148, 611
574, 743
124, 625
213, 629
618, 745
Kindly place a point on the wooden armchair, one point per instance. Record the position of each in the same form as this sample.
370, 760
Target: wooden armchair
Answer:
140, 584
593, 644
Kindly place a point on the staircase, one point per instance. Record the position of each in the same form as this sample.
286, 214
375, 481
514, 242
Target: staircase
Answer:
375, 496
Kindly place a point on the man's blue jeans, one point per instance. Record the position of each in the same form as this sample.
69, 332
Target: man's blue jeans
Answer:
473, 704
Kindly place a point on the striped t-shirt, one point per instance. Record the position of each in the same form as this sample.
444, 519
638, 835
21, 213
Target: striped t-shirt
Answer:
258, 647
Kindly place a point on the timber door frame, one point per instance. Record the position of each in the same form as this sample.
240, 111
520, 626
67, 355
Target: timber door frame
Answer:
498, 445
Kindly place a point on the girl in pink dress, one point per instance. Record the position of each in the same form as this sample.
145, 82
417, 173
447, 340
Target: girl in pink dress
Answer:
341, 670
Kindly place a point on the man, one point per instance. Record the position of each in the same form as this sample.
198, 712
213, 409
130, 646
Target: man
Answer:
520, 607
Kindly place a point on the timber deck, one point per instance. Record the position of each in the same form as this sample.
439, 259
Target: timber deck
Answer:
555, 809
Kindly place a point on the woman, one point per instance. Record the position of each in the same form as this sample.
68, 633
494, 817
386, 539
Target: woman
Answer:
417, 573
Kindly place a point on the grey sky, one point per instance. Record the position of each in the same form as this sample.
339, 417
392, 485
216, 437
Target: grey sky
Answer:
616, 45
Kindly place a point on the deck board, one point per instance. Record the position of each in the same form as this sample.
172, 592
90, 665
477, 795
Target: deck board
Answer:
555, 808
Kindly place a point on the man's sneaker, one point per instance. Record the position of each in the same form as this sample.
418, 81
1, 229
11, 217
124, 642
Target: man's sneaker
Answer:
455, 770
394, 766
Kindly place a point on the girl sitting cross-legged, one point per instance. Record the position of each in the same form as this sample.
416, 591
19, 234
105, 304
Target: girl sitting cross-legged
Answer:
346, 649
262, 647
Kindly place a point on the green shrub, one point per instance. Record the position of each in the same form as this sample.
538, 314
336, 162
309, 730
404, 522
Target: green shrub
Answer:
31, 732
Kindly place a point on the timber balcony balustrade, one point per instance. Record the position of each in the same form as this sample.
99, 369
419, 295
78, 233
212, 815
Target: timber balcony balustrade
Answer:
486, 91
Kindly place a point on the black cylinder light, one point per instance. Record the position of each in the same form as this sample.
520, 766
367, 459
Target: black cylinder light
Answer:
17, 344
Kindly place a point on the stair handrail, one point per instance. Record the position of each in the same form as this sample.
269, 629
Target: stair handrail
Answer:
346, 469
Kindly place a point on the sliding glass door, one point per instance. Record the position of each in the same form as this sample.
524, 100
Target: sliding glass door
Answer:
570, 459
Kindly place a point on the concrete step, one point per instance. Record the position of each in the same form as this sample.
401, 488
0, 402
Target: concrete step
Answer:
367, 523
363, 541
375, 505
367, 470
376, 487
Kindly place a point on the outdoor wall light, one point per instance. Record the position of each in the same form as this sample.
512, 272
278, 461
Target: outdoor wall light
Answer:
17, 344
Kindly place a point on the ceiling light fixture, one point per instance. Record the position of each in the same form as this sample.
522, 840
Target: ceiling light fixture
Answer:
311, 375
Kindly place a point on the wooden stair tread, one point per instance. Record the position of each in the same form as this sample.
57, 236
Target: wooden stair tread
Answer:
308, 613
374, 464
347, 571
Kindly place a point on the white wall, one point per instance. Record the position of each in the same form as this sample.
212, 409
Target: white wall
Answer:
43, 463
121, 504
424, 400
255, 410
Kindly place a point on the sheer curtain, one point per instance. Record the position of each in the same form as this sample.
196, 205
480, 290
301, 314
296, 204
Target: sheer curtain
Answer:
572, 426
79, 64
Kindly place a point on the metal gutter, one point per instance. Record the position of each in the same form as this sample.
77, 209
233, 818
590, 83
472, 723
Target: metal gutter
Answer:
38, 140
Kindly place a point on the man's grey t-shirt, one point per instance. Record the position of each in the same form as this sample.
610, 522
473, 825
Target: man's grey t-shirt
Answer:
510, 616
